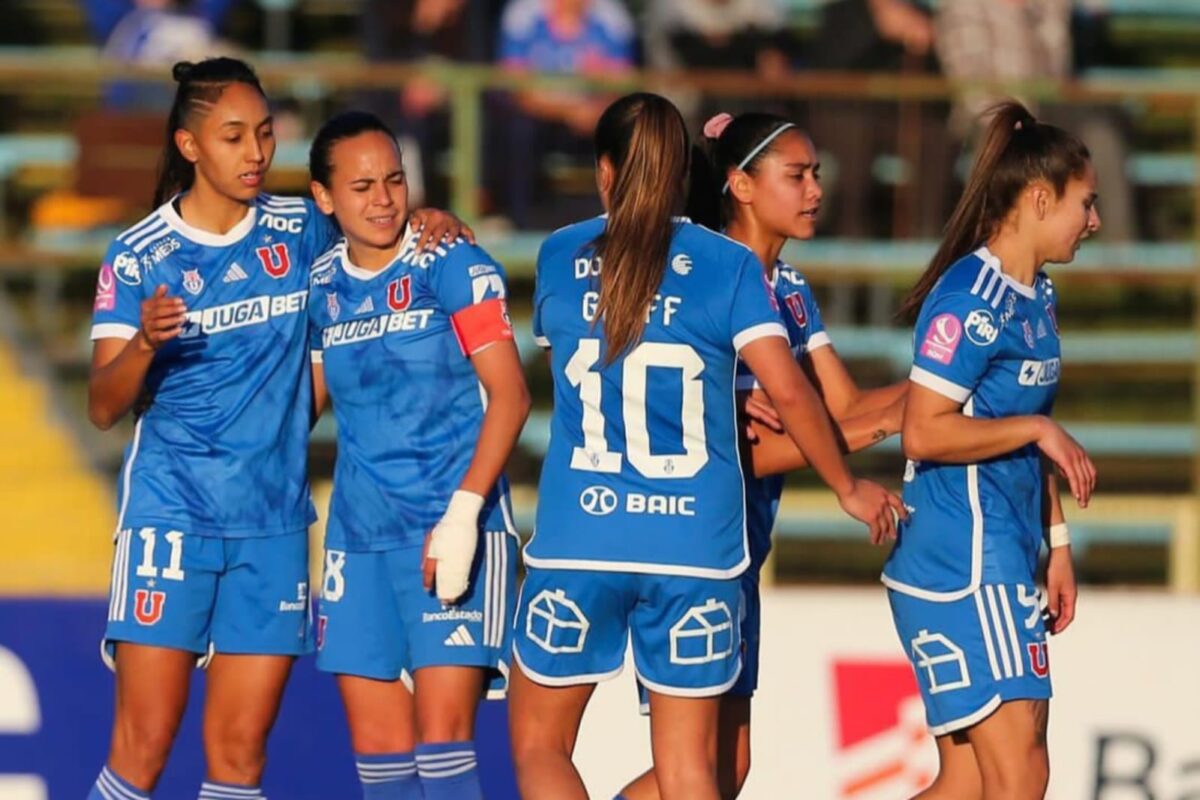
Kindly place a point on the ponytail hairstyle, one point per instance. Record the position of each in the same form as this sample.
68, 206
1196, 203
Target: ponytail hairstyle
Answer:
645, 138
1016, 150
732, 144
346, 125
200, 85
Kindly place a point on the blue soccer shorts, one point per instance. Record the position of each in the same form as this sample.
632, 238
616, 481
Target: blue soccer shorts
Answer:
573, 627
973, 654
375, 618
747, 681
207, 594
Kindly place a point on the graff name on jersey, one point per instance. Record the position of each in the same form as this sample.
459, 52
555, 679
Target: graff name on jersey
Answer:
251, 311
359, 330
668, 306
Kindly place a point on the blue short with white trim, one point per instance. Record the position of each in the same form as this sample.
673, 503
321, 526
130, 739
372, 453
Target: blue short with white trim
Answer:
971, 655
209, 594
376, 620
573, 626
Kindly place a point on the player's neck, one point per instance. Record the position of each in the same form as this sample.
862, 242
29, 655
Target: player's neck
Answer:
372, 259
1017, 258
209, 211
765, 244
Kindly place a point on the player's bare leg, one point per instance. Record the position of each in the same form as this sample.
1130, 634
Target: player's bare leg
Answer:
733, 754
958, 775
544, 723
379, 714
683, 739
446, 700
152, 691
241, 703
1010, 747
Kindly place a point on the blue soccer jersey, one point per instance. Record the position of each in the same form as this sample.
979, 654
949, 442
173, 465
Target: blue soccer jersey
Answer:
984, 340
396, 347
806, 332
220, 445
643, 473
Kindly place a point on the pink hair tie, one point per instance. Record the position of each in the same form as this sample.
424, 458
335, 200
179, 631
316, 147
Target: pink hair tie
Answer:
717, 125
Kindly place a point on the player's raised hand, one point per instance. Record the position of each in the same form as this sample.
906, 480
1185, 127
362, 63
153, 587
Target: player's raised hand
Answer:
876, 507
450, 550
1070, 458
163, 318
435, 226
1061, 590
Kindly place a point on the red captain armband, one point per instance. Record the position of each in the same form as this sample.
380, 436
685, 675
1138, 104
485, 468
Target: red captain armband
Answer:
482, 324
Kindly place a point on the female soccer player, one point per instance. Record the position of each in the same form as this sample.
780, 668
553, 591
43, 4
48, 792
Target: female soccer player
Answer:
416, 353
200, 329
640, 528
978, 435
765, 173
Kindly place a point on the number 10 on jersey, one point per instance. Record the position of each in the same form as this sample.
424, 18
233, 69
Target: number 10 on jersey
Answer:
595, 456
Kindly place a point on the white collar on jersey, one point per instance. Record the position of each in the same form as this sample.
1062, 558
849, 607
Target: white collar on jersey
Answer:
990, 258
207, 238
407, 242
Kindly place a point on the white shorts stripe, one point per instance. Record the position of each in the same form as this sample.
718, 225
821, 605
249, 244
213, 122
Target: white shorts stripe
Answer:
502, 620
489, 559
987, 635
1012, 631
998, 629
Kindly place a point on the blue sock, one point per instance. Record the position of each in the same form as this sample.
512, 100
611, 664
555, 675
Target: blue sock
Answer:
111, 786
211, 790
388, 776
448, 771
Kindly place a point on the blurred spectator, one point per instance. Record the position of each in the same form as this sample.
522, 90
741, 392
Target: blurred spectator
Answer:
574, 37
1022, 40
153, 32
418, 30
881, 36
718, 34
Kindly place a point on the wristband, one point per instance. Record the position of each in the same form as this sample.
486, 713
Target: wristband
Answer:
1058, 535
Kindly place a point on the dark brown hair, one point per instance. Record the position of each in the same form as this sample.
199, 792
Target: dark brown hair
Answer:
1016, 150
644, 137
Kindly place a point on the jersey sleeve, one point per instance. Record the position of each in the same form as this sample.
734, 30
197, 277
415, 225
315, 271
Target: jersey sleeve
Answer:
117, 311
754, 311
954, 342
472, 289
815, 334
315, 347
539, 297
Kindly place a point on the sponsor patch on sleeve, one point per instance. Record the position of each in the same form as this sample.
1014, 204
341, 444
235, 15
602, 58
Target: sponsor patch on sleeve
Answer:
942, 338
106, 290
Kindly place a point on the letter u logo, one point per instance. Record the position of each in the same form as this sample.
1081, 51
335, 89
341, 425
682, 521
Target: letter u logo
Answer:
1039, 658
400, 293
276, 260
148, 606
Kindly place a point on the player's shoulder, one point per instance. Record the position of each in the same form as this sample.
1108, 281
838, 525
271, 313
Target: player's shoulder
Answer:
707, 249
569, 241
788, 278
279, 205
326, 266
973, 281
141, 246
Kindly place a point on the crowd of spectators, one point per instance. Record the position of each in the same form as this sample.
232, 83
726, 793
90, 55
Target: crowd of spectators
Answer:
891, 167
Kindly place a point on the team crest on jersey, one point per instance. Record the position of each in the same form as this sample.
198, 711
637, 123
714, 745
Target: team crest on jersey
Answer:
192, 281
332, 306
127, 269
148, 606
795, 304
400, 293
276, 260
1027, 330
1053, 317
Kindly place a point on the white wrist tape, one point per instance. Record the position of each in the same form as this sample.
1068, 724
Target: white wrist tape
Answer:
1058, 535
453, 543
